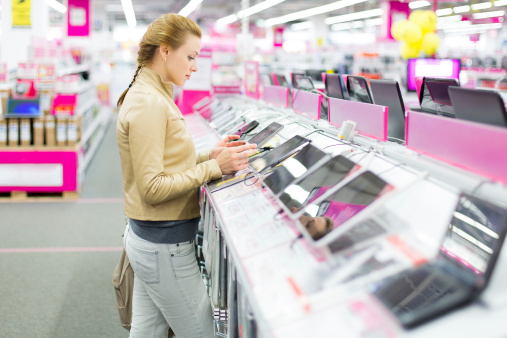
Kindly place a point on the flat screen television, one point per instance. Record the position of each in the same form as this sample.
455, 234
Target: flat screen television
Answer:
448, 68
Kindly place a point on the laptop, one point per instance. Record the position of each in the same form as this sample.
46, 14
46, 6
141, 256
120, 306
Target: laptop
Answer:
303, 82
258, 165
459, 273
335, 87
265, 134
358, 89
387, 93
485, 106
323, 216
433, 89
294, 167
282, 81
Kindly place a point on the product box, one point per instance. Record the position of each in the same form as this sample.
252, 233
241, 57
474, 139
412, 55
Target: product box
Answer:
61, 131
13, 132
72, 130
38, 132
46, 99
4, 96
25, 133
50, 130
3, 132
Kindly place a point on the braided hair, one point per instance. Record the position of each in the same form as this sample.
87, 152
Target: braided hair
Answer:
171, 29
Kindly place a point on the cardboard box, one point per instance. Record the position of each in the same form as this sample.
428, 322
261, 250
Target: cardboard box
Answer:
3, 132
38, 132
61, 130
13, 132
72, 131
25, 132
50, 130
4, 96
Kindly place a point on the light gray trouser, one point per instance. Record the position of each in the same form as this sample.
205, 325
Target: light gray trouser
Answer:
168, 290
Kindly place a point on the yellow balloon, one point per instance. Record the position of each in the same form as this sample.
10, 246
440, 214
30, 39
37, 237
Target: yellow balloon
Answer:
397, 28
409, 51
426, 20
411, 33
430, 43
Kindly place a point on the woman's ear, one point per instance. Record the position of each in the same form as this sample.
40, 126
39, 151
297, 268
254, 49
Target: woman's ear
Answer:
164, 51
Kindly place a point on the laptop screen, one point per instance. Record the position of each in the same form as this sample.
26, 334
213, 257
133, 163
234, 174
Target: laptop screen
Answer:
358, 89
335, 87
303, 82
312, 185
438, 89
277, 155
282, 81
321, 217
387, 93
23, 108
293, 167
485, 106
474, 238
265, 134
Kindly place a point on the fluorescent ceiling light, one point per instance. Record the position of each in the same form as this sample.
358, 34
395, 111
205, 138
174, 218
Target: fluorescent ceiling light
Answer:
447, 25
453, 18
474, 28
226, 20
258, 8
461, 9
419, 4
354, 16
483, 5
247, 12
129, 13
190, 7
311, 12
485, 15
301, 26
57, 6
499, 3
374, 22
443, 11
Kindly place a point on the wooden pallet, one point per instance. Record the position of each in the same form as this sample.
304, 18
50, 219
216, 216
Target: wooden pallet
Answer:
23, 196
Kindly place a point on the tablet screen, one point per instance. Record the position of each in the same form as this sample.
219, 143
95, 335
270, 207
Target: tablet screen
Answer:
277, 155
265, 134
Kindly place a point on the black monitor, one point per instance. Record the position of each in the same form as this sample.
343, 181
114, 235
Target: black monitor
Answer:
485, 106
315, 74
292, 77
387, 93
335, 87
435, 88
358, 89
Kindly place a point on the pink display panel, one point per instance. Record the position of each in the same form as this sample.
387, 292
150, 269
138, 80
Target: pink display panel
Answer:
252, 79
68, 159
78, 18
276, 95
371, 120
476, 147
306, 103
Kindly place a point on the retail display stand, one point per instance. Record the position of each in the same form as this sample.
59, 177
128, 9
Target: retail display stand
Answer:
468, 145
371, 120
48, 155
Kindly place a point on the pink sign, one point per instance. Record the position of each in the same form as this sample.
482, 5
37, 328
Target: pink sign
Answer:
371, 120
78, 18
278, 36
252, 79
393, 11
46, 73
306, 103
276, 95
472, 146
3, 72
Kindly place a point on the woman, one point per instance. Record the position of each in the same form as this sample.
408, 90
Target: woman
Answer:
161, 177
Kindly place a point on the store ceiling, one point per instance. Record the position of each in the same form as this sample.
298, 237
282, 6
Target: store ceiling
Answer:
211, 10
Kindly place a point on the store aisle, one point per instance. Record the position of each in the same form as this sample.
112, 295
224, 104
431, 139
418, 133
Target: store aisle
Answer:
57, 258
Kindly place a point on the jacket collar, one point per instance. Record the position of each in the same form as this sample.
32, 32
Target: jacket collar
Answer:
154, 79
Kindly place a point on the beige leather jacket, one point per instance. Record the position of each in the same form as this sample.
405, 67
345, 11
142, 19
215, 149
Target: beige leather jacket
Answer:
161, 172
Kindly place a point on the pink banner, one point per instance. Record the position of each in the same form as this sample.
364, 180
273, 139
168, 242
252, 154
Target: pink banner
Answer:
393, 11
306, 103
371, 120
78, 18
276, 95
476, 147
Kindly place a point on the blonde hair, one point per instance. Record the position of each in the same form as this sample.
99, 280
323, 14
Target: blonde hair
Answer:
171, 29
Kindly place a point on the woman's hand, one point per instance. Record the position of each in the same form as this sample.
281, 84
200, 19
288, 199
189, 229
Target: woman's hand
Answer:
220, 146
235, 158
